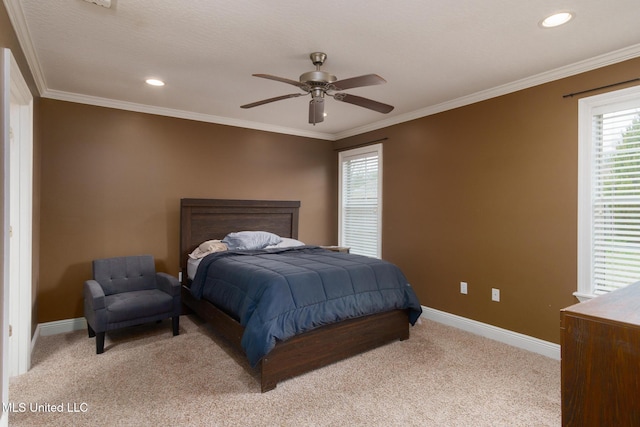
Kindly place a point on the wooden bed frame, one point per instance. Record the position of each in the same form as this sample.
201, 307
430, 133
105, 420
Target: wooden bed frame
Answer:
206, 219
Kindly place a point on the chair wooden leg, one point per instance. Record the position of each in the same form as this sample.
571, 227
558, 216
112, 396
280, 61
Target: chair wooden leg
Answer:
92, 333
175, 320
100, 343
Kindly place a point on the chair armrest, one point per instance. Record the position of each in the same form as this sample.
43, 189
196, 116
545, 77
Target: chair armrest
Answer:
94, 294
168, 284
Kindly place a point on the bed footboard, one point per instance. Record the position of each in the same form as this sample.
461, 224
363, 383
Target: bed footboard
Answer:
330, 344
311, 350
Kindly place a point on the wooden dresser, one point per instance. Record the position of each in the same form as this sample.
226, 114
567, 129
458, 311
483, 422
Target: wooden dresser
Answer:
600, 342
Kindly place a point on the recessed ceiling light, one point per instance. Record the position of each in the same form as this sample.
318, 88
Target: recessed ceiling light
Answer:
556, 19
155, 82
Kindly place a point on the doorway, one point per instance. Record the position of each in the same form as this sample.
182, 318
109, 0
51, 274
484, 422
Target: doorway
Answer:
18, 260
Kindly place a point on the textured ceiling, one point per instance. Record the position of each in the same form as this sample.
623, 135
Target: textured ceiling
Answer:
434, 54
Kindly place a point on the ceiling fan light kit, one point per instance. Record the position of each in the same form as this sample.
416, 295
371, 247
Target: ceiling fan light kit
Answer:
319, 83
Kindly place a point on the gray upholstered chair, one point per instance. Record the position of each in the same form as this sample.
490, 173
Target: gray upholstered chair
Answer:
127, 291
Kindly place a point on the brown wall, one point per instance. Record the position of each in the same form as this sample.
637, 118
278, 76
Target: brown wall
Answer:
487, 194
112, 181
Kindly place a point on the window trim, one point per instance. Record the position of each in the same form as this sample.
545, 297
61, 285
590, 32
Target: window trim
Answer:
357, 152
587, 107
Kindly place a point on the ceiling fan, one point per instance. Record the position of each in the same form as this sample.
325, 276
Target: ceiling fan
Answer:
320, 83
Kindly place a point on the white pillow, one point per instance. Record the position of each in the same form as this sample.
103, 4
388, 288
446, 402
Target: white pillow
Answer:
208, 247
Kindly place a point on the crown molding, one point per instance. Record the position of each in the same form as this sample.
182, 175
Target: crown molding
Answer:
17, 19
546, 77
610, 58
14, 10
180, 114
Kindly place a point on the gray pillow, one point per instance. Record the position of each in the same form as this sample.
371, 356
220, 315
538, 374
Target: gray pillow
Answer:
248, 240
287, 243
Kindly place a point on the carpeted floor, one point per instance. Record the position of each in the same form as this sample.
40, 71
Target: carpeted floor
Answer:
441, 376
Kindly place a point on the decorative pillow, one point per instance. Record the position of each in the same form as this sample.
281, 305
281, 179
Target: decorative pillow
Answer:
287, 243
206, 248
247, 240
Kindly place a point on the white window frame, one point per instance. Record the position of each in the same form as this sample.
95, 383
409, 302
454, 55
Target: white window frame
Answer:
587, 108
374, 149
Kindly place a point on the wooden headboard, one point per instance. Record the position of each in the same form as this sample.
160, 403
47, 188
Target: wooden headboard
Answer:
207, 219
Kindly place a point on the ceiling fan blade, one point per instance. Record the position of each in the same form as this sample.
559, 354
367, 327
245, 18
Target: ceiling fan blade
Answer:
316, 110
277, 98
366, 80
363, 102
281, 79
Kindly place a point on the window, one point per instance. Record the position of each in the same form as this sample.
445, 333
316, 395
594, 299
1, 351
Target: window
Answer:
609, 192
360, 188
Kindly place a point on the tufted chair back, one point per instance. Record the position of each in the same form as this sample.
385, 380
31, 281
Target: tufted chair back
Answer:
125, 274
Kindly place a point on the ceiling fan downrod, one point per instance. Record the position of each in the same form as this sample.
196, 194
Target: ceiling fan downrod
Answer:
318, 59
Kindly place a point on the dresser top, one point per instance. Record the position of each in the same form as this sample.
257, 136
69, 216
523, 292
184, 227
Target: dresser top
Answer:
621, 305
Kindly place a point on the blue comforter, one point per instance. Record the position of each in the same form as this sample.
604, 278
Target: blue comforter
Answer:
278, 293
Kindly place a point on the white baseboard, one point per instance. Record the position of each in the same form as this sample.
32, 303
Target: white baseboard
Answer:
515, 339
57, 327
506, 336
61, 326
34, 338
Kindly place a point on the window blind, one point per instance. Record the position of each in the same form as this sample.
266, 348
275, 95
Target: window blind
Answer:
615, 199
360, 204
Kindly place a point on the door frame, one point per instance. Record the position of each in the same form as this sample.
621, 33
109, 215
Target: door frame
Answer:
21, 222
16, 299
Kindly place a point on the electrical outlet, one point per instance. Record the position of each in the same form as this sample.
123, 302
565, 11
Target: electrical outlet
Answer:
463, 288
495, 294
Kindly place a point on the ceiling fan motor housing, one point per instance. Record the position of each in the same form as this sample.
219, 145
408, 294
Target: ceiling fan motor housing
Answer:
317, 78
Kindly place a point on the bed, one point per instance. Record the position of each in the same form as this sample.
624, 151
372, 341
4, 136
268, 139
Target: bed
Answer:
206, 219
